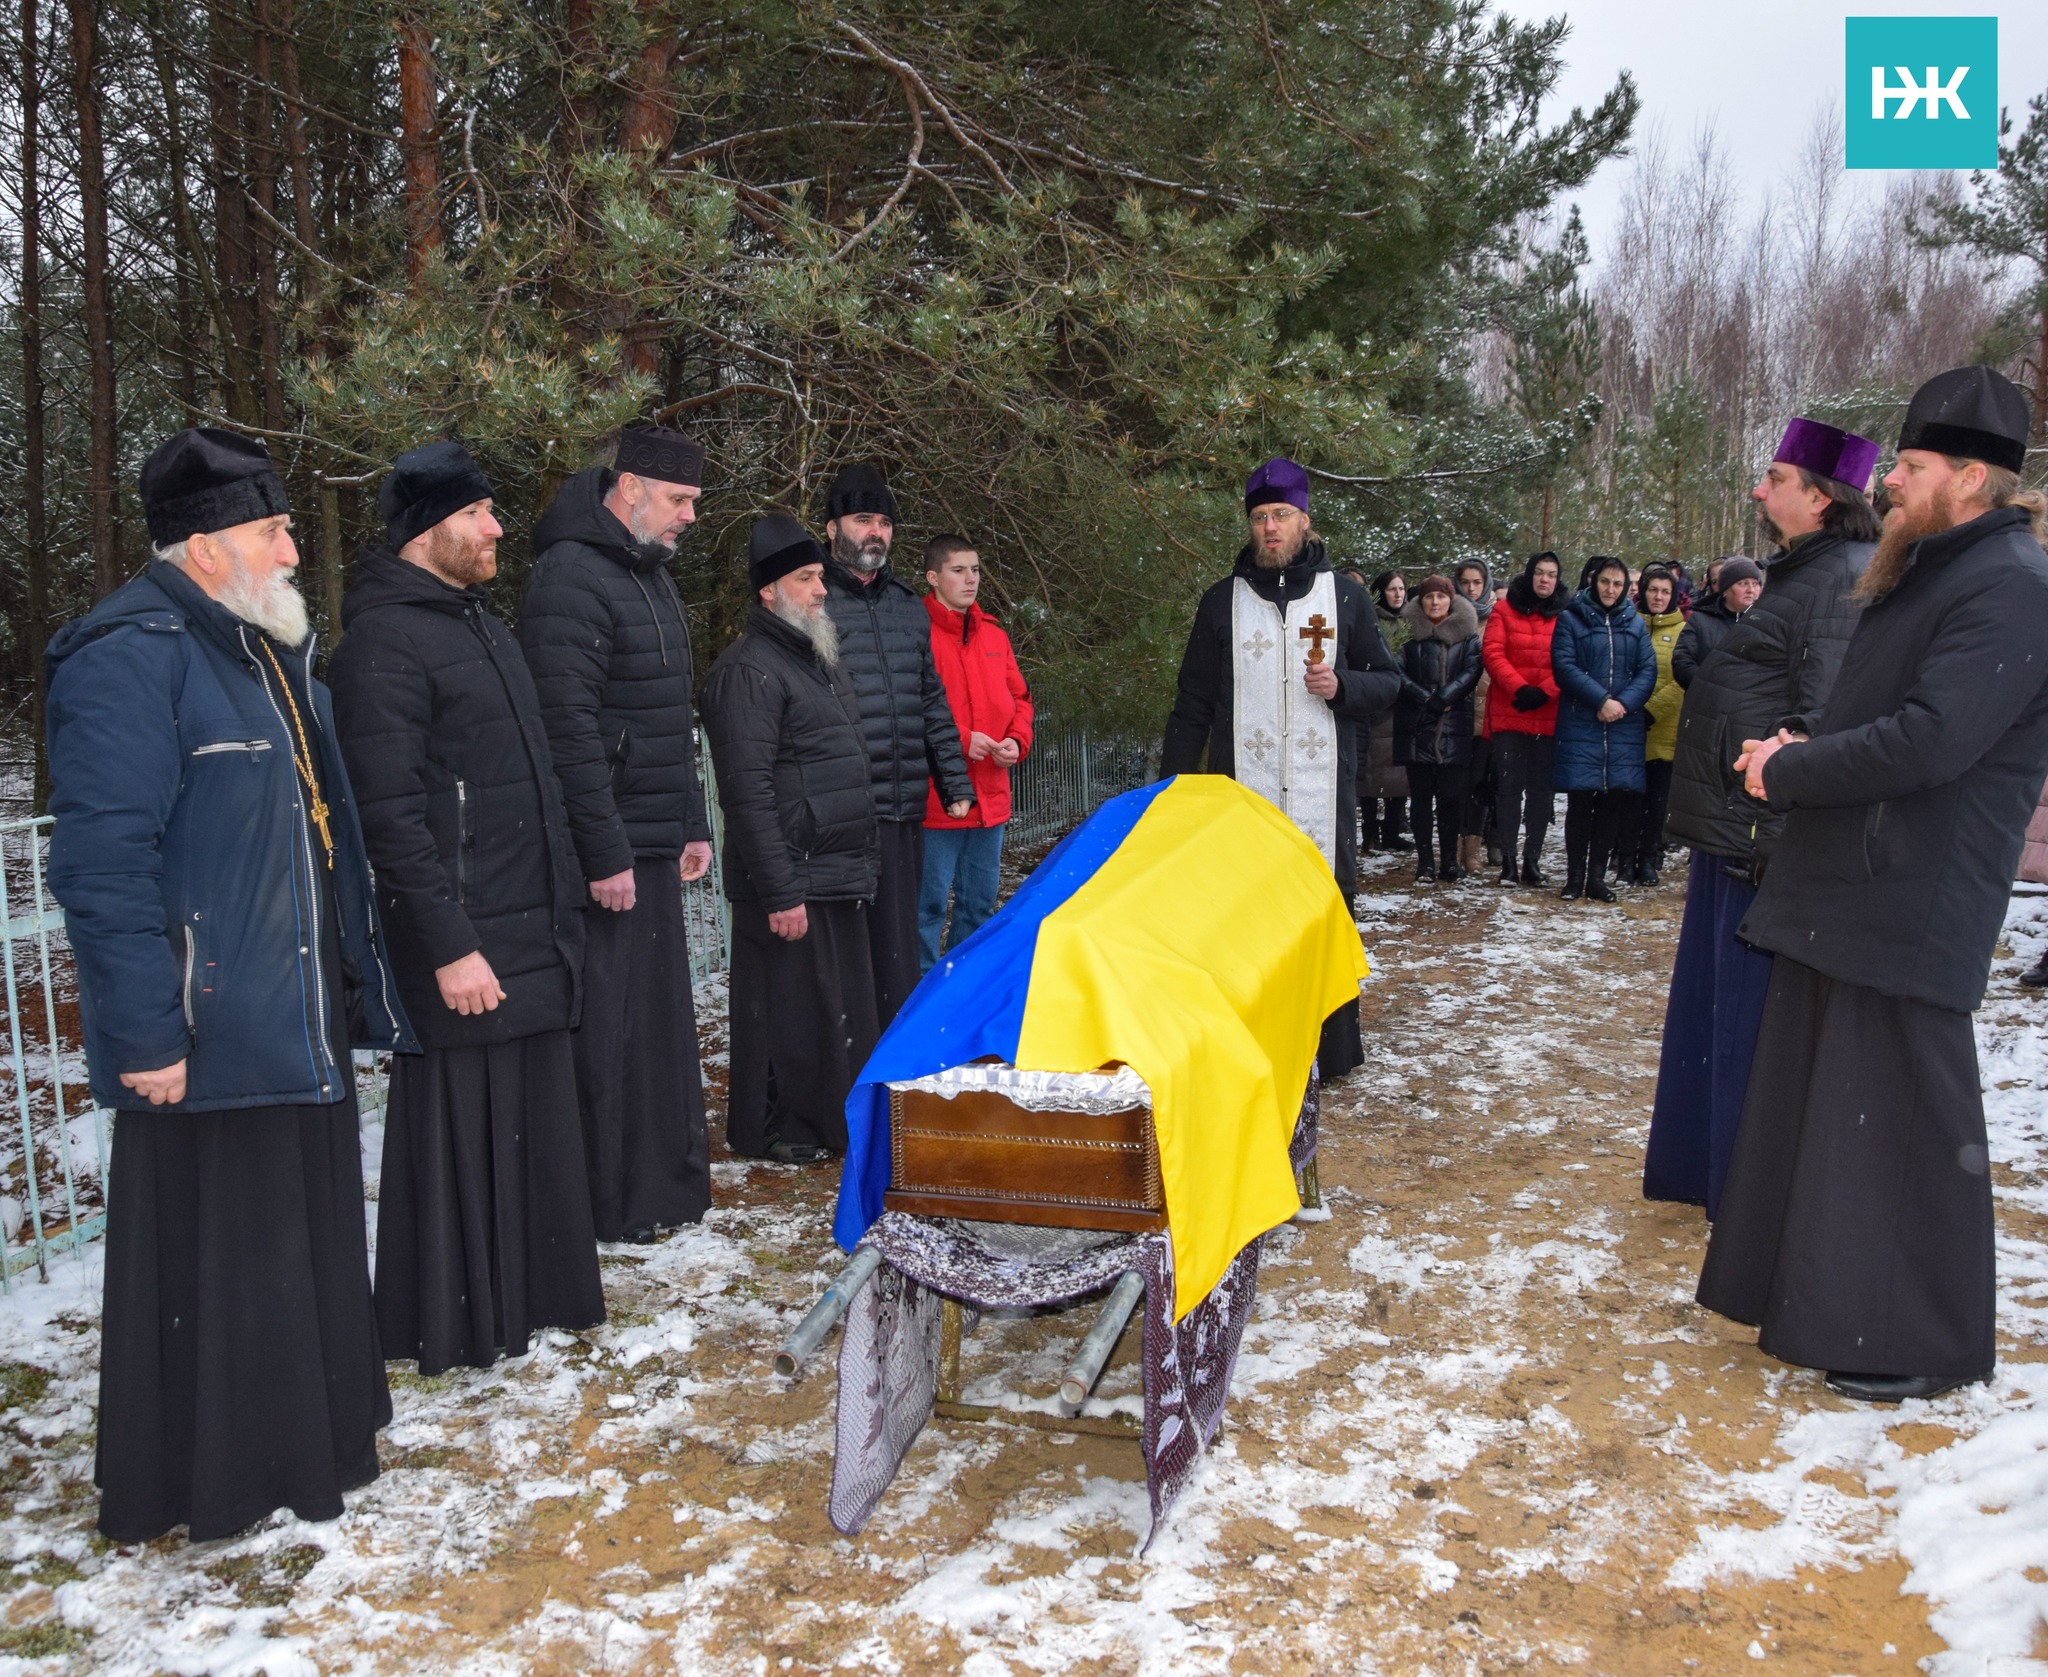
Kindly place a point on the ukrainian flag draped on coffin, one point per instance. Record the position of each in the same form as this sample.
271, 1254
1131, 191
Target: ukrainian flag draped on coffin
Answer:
1189, 930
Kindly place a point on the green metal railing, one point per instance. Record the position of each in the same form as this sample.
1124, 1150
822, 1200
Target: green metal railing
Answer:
52, 1193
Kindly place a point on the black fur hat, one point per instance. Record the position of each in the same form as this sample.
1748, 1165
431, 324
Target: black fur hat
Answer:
204, 480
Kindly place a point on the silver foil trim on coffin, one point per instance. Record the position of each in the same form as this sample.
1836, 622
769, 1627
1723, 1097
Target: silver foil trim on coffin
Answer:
1094, 1093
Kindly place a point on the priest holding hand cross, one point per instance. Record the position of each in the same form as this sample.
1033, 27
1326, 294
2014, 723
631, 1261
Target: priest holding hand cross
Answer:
1284, 662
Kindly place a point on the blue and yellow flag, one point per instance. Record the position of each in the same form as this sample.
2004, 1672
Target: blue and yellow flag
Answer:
1189, 930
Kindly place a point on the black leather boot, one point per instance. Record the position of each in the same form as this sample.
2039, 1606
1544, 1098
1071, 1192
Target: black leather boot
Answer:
1596, 879
2036, 976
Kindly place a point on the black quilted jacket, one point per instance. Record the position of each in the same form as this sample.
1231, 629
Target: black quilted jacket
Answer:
462, 813
793, 779
885, 648
605, 636
1774, 669
1711, 623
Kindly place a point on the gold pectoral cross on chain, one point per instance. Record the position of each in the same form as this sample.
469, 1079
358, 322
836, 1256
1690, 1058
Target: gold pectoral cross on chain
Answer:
302, 760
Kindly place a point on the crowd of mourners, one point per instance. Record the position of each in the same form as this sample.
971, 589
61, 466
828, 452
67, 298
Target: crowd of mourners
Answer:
1512, 695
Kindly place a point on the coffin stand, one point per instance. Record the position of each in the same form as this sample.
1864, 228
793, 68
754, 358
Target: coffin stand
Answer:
988, 1144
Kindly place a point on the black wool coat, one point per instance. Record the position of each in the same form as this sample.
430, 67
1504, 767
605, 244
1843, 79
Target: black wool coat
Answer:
462, 814
793, 777
1367, 683
1907, 809
885, 650
1440, 671
1774, 669
609, 647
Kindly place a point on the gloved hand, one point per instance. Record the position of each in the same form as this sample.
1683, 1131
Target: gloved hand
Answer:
1530, 697
1434, 706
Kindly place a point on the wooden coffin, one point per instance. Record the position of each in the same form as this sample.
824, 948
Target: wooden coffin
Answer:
980, 1156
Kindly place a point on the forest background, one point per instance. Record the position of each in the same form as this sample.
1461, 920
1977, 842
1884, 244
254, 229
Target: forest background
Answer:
1065, 269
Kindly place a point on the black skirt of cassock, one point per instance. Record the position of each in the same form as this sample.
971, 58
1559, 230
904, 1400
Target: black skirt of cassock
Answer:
1856, 1227
483, 1216
641, 1090
892, 919
239, 1365
1342, 1048
803, 1024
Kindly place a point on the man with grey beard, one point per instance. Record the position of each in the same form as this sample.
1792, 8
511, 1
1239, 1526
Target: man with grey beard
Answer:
800, 857
218, 900
605, 635
906, 719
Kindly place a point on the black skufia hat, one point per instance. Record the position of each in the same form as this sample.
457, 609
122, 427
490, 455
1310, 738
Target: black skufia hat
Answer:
777, 545
860, 489
657, 452
427, 485
1974, 413
204, 480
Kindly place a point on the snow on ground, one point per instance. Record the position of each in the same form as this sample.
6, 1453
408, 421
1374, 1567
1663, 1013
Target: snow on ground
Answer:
1477, 1424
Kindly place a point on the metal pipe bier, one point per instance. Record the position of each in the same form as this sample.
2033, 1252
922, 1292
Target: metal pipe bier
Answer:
1089, 1360
811, 1331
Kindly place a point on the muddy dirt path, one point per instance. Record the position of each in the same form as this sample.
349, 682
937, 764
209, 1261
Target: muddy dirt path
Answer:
1478, 1426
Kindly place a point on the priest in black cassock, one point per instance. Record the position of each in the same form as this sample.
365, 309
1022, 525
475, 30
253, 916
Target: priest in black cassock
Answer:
1284, 663
218, 901
801, 856
483, 1219
604, 633
1856, 1225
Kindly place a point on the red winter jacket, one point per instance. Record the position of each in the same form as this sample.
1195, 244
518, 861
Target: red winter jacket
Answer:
988, 696
1516, 652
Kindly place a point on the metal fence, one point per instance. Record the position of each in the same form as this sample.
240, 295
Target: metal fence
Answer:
53, 1161
54, 1151
1065, 779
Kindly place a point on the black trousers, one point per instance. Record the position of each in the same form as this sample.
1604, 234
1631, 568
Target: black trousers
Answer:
1482, 791
1522, 765
1645, 845
1385, 819
1437, 791
1855, 1226
641, 1089
892, 921
803, 1024
1594, 823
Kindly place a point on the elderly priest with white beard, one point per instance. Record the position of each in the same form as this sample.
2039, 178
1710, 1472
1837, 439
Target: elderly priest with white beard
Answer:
802, 857
218, 900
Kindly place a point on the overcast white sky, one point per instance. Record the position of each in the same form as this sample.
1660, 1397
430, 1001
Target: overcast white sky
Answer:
1758, 70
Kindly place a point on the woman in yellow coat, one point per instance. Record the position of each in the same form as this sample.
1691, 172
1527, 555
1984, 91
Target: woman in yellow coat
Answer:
1657, 600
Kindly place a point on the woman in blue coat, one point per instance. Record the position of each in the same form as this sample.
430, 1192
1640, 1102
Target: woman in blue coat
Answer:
1606, 670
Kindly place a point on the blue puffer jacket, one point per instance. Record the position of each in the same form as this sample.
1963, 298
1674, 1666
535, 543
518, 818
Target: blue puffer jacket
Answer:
1601, 653
184, 866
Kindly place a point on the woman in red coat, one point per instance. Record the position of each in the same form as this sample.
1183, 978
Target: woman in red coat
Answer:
992, 708
1521, 709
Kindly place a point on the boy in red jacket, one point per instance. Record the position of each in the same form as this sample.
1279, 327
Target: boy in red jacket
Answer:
992, 709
